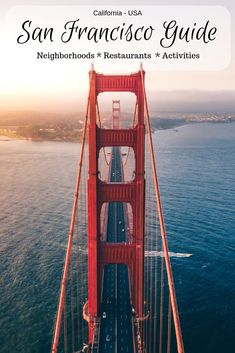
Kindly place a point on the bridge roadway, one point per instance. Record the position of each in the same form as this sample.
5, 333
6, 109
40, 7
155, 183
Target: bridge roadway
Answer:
116, 310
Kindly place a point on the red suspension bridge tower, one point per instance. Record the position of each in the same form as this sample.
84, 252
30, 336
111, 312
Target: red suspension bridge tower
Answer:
101, 253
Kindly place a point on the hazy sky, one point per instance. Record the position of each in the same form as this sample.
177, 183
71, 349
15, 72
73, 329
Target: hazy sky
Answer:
67, 91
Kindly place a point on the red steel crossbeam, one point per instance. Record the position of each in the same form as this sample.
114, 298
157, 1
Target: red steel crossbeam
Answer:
116, 253
117, 137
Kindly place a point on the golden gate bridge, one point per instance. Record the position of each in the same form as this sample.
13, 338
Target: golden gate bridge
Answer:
117, 292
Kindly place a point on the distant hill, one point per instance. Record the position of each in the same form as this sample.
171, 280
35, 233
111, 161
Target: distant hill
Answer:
10, 118
68, 127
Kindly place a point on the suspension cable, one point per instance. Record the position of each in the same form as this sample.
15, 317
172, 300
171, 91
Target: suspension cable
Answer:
98, 113
77, 281
132, 125
83, 264
70, 241
155, 292
148, 271
179, 339
151, 277
146, 321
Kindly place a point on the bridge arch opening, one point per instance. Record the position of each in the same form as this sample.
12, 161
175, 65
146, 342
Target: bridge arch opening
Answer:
128, 164
123, 228
104, 160
127, 107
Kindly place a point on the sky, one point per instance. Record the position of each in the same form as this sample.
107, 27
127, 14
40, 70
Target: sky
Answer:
65, 89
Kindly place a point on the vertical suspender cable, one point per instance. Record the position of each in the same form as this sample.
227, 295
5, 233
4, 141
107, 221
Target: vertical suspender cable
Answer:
65, 330
82, 262
169, 327
146, 274
144, 322
98, 113
146, 291
179, 339
155, 293
70, 242
151, 279
133, 125
72, 304
77, 285
161, 305
84, 215
148, 247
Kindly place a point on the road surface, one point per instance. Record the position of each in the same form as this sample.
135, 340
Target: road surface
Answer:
116, 311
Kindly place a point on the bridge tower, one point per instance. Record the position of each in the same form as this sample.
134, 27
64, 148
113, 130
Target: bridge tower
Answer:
116, 114
100, 252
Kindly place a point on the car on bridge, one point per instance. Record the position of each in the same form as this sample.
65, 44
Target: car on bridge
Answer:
104, 315
108, 338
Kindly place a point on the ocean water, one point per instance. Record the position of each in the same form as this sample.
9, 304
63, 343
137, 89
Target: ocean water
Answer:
196, 169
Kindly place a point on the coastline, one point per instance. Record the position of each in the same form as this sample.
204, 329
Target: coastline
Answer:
9, 136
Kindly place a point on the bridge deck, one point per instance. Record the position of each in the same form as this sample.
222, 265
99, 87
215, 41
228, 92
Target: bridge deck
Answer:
116, 325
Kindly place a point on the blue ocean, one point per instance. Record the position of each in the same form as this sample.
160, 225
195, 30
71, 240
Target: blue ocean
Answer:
196, 170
